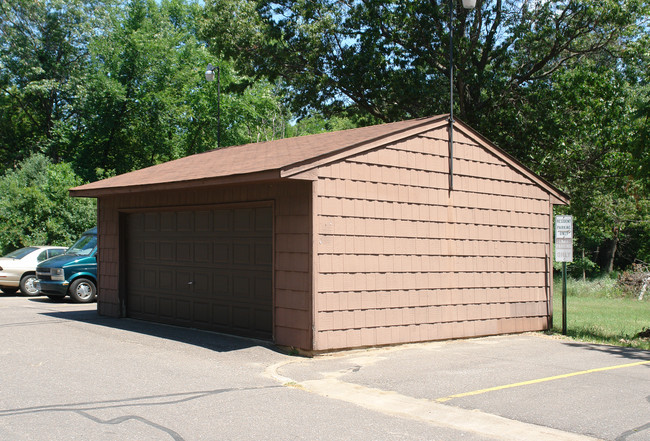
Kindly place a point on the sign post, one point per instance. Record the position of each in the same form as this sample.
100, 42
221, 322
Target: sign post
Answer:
564, 254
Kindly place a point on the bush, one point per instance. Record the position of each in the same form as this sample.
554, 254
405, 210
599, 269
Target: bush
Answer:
635, 280
36, 209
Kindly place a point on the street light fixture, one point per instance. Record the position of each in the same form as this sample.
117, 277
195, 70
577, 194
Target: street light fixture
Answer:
467, 4
209, 76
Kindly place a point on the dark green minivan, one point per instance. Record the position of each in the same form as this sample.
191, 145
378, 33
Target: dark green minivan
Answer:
73, 273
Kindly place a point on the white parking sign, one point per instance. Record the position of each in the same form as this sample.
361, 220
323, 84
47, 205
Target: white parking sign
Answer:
564, 238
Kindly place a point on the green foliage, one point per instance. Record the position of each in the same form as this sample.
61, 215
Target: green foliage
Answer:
389, 58
135, 105
561, 85
579, 267
43, 54
35, 208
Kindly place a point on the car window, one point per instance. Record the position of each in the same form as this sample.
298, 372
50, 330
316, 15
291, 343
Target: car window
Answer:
19, 254
55, 252
84, 246
42, 256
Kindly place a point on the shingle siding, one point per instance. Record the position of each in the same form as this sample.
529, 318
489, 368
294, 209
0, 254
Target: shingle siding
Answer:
400, 258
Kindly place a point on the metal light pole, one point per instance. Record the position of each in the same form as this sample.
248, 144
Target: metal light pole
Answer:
209, 76
467, 4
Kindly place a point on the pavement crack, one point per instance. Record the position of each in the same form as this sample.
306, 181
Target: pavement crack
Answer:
151, 400
119, 420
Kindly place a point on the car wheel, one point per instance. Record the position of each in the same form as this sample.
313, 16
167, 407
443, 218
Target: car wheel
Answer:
8, 291
27, 285
83, 291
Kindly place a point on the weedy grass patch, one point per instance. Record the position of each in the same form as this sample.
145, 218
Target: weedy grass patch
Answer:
599, 311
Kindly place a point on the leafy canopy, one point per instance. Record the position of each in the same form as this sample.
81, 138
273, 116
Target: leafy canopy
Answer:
36, 209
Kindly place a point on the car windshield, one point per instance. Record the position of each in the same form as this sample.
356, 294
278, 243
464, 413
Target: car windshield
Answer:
19, 254
84, 246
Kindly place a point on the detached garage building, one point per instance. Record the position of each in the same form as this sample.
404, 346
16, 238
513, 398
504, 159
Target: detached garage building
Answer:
336, 240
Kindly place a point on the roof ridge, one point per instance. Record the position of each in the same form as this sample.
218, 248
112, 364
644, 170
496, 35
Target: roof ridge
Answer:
321, 134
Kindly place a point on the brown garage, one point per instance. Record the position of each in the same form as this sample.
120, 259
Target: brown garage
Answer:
329, 241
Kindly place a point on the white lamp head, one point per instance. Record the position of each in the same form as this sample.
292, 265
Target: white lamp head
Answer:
209, 72
469, 4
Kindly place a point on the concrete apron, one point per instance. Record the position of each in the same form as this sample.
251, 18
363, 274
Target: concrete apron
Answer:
423, 410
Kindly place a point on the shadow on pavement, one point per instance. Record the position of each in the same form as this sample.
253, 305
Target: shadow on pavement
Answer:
627, 353
206, 339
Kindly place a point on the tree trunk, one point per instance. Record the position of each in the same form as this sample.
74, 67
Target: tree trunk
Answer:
607, 253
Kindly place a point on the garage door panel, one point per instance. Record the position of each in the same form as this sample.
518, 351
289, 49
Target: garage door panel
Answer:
185, 221
202, 313
262, 320
150, 279
166, 308
221, 314
182, 281
263, 223
203, 221
222, 252
241, 286
150, 305
210, 268
221, 285
222, 221
168, 221
183, 309
167, 251
263, 254
184, 251
262, 285
151, 221
202, 283
165, 279
242, 253
151, 250
244, 220
202, 252
241, 317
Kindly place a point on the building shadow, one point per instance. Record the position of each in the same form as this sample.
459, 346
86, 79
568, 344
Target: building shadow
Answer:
214, 341
619, 351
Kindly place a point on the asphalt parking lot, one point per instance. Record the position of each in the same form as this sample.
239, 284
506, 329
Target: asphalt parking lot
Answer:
68, 374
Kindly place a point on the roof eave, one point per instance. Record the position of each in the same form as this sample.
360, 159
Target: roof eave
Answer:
267, 175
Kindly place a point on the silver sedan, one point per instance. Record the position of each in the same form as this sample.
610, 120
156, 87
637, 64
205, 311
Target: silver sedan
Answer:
18, 268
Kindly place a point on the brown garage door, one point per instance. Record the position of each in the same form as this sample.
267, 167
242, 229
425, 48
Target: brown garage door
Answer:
205, 268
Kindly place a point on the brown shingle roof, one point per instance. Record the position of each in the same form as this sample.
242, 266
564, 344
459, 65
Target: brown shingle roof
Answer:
281, 158
252, 158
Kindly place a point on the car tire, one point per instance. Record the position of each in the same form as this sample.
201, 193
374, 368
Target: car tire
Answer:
8, 291
83, 291
27, 285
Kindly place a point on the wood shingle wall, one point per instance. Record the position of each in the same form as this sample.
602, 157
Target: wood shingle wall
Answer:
399, 258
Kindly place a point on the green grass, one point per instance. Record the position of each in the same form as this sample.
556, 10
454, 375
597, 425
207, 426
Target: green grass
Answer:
599, 312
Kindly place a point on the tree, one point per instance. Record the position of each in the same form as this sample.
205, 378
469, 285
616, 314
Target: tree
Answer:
35, 208
43, 52
145, 99
389, 58
561, 85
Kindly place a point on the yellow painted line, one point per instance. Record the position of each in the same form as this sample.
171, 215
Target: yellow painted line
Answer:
539, 380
